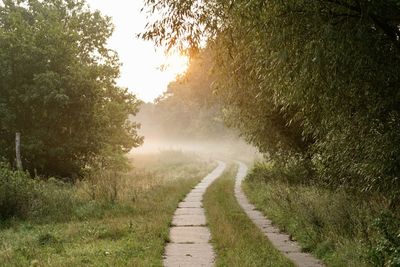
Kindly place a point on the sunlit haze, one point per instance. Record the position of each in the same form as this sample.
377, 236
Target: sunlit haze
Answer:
146, 71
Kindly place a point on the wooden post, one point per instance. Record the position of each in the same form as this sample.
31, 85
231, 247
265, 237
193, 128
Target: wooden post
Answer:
18, 150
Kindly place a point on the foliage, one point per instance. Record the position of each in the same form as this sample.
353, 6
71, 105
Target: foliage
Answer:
132, 231
25, 198
344, 228
15, 192
388, 248
187, 110
316, 80
57, 87
288, 172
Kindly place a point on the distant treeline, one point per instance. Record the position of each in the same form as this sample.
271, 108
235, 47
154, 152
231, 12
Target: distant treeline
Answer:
187, 111
315, 85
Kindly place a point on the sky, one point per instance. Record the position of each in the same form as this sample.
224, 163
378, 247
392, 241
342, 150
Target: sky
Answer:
141, 61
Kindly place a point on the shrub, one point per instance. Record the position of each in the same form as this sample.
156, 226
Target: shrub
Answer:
387, 249
294, 170
24, 197
17, 191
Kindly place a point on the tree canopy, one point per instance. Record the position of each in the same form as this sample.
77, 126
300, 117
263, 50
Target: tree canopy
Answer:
312, 82
58, 87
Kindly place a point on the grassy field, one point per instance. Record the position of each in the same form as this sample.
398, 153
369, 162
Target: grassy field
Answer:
341, 228
237, 241
120, 224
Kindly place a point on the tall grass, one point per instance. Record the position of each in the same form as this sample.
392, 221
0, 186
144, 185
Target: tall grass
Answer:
22, 197
341, 227
113, 219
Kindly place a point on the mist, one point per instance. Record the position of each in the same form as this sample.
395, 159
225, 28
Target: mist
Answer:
189, 136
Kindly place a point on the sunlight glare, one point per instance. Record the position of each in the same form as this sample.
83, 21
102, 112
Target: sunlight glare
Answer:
175, 64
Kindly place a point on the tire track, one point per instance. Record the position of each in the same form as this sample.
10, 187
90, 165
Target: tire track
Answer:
281, 241
189, 236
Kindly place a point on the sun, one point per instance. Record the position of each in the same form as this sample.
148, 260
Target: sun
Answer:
176, 64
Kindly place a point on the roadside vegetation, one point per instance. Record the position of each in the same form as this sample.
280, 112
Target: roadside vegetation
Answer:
314, 83
341, 227
237, 241
58, 89
315, 87
113, 220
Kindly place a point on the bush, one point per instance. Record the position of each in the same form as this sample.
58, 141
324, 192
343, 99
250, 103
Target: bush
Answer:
294, 170
24, 197
388, 245
16, 193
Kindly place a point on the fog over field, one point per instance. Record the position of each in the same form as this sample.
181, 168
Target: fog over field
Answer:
159, 137
210, 147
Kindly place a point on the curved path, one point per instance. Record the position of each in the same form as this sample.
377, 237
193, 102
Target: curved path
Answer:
280, 240
189, 237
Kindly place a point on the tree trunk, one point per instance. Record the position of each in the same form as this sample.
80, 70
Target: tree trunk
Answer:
18, 150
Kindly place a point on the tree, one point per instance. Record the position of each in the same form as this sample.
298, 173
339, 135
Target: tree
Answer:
187, 110
316, 80
57, 87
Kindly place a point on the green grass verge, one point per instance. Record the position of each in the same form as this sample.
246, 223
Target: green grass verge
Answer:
336, 227
237, 241
129, 232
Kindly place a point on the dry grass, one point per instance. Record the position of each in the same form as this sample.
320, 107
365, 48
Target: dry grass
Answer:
337, 227
129, 229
